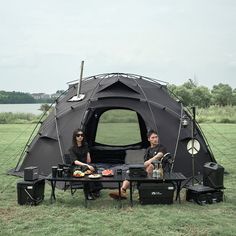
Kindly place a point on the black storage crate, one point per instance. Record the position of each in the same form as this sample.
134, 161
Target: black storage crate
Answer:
156, 193
30, 192
204, 195
31, 173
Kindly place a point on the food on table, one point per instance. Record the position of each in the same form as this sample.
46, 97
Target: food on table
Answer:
107, 172
78, 173
95, 176
88, 172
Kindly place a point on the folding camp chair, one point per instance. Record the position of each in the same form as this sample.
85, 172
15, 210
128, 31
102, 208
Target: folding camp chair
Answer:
73, 186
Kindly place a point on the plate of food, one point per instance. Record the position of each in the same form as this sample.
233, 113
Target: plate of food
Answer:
107, 172
88, 172
78, 174
95, 176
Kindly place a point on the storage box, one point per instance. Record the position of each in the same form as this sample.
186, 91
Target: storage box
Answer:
203, 194
137, 170
30, 192
156, 193
31, 173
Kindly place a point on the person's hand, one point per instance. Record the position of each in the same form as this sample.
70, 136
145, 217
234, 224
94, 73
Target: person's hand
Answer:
91, 168
147, 163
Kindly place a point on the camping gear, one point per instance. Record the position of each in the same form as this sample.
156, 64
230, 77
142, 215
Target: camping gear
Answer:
31, 173
30, 192
156, 193
137, 170
156, 108
213, 175
203, 194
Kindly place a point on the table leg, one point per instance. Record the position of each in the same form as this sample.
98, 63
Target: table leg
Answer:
85, 187
178, 188
131, 193
53, 186
119, 186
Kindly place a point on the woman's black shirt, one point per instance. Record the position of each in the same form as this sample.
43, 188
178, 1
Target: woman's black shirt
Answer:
79, 153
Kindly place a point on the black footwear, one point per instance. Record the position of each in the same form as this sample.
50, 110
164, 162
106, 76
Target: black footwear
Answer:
116, 195
90, 196
96, 194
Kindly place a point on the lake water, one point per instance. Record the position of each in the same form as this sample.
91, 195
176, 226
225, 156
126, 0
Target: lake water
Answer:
25, 108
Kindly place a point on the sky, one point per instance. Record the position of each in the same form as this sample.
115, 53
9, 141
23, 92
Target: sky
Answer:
42, 42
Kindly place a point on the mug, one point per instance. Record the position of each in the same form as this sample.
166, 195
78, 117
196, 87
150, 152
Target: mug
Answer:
54, 171
119, 171
60, 173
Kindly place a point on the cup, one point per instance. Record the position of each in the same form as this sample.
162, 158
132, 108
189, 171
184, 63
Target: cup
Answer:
54, 171
59, 173
60, 166
67, 171
119, 171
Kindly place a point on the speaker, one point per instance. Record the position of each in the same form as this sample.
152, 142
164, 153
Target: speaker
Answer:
30, 192
213, 175
31, 173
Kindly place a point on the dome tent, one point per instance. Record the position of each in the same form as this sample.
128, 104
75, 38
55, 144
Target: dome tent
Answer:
155, 108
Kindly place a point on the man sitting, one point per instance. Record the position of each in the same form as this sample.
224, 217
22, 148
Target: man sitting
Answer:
155, 152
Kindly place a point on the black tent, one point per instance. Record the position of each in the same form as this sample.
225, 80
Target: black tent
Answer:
155, 108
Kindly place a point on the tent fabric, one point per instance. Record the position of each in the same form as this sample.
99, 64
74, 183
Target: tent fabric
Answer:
152, 102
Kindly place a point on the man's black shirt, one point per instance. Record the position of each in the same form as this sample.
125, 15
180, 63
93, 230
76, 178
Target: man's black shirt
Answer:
152, 151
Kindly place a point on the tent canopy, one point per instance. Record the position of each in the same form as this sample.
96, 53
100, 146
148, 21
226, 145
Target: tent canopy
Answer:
150, 100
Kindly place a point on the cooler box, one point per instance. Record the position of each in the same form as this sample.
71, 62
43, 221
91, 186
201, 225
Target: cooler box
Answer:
156, 193
30, 192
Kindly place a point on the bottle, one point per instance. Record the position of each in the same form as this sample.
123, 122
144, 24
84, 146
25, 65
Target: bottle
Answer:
154, 173
158, 173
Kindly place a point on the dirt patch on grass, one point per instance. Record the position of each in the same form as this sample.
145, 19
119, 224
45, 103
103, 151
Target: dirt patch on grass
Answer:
7, 214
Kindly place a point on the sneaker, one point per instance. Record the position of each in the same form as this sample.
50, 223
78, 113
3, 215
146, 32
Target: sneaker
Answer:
115, 195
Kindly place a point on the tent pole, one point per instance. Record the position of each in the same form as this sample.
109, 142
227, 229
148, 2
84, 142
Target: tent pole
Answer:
58, 135
177, 141
80, 79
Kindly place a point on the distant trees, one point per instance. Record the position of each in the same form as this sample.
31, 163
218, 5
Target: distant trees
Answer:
21, 98
15, 97
222, 95
192, 95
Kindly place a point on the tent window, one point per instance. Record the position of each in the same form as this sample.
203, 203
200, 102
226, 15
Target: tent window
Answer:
118, 127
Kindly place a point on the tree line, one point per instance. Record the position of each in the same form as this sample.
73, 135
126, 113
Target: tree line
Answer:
20, 98
190, 94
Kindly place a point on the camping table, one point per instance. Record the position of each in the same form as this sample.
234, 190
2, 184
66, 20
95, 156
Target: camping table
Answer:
174, 177
115, 179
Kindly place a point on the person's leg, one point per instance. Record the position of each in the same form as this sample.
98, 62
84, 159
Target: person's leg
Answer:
87, 192
125, 185
122, 195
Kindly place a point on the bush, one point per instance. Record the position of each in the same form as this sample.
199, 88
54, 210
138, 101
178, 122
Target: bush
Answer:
18, 118
217, 114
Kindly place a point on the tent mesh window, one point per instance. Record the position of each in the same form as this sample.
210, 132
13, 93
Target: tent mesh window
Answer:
113, 125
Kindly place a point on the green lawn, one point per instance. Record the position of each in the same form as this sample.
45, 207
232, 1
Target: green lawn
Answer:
68, 216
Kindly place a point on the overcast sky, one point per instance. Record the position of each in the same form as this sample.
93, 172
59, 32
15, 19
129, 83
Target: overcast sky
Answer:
42, 43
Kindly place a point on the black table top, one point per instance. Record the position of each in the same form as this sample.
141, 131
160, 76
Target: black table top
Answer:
174, 176
114, 178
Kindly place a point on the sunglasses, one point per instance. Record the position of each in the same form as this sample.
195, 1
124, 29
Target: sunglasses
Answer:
79, 135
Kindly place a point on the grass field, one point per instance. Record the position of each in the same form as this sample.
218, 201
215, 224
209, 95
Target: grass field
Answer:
68, 216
